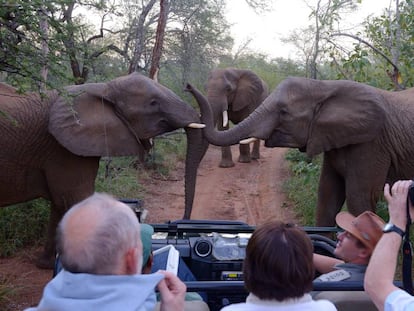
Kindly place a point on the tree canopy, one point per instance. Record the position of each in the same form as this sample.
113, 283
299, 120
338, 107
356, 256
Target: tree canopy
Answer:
50, 43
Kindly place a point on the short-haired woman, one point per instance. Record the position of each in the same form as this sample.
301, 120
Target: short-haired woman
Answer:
278, 270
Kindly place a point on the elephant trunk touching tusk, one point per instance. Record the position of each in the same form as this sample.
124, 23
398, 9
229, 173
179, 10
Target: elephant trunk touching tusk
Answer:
196, 125
225, 118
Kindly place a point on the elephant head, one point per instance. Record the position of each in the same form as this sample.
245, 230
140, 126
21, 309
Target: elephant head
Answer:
54, 142
233, 94
344, 120
118, 119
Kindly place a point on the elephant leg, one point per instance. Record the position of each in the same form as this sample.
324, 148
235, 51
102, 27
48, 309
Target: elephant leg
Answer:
256, 150
244, 156
331, 195
365, 182
226, 157
47, 258
70, 179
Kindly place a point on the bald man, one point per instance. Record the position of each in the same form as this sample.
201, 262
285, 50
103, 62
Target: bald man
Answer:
100, 250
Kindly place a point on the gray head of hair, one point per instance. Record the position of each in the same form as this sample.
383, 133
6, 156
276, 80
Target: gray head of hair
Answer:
94, 235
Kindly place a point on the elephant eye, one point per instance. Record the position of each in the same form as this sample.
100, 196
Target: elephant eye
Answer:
283, 112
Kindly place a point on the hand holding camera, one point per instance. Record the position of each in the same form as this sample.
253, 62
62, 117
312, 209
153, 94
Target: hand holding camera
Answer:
411, 193
396, 197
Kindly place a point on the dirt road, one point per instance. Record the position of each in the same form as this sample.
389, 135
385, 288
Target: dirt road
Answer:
249, 192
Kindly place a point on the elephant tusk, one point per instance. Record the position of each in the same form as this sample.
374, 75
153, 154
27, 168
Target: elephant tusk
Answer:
196, 125
248, 140
225, 118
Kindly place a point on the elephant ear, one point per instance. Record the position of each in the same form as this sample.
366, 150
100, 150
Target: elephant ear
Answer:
249, 91
348, 113
84, 121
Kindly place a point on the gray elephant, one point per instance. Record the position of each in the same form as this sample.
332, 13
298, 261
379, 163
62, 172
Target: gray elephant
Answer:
366, 136
233, 95
50, 146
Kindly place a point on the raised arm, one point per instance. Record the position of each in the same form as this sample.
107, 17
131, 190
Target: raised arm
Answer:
380, 273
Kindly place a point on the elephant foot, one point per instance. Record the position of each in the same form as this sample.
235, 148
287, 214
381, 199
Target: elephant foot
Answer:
255, 156
226, 163
47, 263
244, 159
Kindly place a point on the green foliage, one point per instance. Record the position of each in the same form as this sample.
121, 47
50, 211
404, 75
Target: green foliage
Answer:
22, 225
198, 37
271, 71
385, 45
393, 35
118, 177
302, 187
168, 149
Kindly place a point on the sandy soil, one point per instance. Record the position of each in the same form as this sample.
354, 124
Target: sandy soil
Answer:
249, 192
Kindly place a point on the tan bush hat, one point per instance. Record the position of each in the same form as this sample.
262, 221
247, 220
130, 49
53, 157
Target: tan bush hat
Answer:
367, 227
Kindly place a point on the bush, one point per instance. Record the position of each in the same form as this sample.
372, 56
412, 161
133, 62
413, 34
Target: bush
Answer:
22, 225
302, 187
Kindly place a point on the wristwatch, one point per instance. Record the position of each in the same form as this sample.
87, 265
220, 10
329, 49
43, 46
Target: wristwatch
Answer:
389, 227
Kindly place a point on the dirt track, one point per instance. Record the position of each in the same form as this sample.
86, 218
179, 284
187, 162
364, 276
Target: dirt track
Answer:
249, 192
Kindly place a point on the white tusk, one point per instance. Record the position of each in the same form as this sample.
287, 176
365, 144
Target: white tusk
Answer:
225, 118
248, 140
196, 125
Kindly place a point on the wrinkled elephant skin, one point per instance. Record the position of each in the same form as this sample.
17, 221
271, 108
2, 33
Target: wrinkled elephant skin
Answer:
365, 134
51, 146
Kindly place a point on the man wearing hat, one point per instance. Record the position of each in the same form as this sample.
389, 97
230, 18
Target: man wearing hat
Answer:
353, 249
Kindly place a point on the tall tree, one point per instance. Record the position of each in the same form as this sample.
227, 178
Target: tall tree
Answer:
197, 36
140, 26
313, 41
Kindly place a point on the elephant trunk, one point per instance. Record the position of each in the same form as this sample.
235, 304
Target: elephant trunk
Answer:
243, 130
197, 146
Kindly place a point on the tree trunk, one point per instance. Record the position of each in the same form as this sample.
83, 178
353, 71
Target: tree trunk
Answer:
44, 28
140, 37
159, 40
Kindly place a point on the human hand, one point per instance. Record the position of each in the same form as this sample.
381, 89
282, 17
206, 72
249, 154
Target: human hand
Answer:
172, 291
397, 200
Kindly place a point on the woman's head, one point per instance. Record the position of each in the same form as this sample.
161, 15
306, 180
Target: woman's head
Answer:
278, 263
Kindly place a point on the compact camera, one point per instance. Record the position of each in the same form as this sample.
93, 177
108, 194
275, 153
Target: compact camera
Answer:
411, 193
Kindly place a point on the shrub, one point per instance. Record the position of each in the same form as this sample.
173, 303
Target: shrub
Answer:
302, 187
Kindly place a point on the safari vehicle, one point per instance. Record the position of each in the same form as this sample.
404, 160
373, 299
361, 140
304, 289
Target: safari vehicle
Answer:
214, 252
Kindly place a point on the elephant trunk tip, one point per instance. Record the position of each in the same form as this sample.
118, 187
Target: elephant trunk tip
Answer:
188, 88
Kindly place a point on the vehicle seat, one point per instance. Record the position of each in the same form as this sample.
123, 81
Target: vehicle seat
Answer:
347, 300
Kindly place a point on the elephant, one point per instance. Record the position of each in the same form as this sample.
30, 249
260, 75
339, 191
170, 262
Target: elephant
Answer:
51, 144
366, 136
233, 94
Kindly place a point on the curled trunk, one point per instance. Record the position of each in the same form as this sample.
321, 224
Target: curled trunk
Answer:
244, 129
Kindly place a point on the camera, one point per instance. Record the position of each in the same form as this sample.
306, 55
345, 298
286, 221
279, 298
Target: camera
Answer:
411, 193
